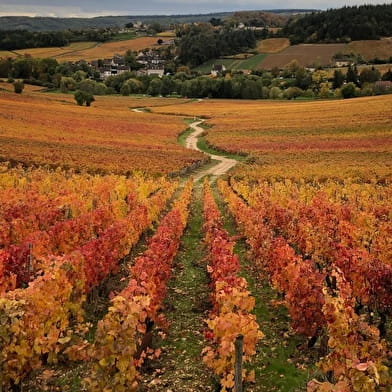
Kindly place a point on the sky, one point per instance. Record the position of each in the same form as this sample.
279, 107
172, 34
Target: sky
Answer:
90, 8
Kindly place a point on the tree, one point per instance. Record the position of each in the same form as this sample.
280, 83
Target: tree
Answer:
348, 90
155, 28
89, 99
352, 75
275, 93
216, 21
79, 97
155, 87
79, 75
387, 75
82, 97
291, 69
5, 67
324, 90
292, 92
167, 86
67, 84
18, 86
369, 75
92, 87
303, 78
22, 67
130, 60
338, 79
131, 86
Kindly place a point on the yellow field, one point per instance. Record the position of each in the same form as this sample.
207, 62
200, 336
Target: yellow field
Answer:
57, 52
107, 50
6, 53
169, 33
86, 50
273, 45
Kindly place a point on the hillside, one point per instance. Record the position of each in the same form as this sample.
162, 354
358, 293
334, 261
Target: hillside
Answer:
59, 24
341, 25
259, 18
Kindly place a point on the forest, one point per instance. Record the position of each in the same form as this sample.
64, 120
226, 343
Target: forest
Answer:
341, 25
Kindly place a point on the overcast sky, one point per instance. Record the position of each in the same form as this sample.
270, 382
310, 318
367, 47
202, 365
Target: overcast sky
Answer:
87, 8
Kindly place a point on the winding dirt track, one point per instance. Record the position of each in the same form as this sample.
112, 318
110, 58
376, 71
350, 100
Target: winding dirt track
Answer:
224, 165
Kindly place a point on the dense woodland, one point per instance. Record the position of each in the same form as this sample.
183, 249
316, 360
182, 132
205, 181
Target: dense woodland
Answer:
341, 25
199, 43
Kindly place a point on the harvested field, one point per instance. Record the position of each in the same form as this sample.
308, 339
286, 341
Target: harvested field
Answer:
370, 50
168, 33
6, 53
57, 51
273, 45
111, 48
305, 54
85, 50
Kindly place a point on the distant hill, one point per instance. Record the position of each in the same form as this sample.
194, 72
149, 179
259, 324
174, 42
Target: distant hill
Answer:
60, 24
260, 18
367, 22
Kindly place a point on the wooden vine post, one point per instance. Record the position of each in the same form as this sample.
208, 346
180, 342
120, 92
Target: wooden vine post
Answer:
239, 349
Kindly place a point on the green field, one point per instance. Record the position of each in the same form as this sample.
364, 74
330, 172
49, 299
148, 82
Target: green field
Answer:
123, 36
231, 63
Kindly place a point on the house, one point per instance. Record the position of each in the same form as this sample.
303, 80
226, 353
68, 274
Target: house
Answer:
156, 71
217, 68
153, 63
342, 63
111, 67
104, 72
168, 42
118, 59
383, 87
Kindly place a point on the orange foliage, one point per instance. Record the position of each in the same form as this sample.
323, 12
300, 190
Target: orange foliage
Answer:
105, 138
35, 324
120, 332
342, 138
233, 305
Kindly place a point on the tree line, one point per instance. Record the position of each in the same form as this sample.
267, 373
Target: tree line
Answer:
290, 83
341, 25
23, 39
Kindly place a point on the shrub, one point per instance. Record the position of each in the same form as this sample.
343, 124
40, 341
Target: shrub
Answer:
275, 93
348, 90
18, 87
82, 97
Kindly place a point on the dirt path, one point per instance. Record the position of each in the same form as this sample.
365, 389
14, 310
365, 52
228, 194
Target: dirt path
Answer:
224, 165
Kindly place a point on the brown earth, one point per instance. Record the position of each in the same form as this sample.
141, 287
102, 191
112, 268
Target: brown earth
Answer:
273, 45
307, 55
